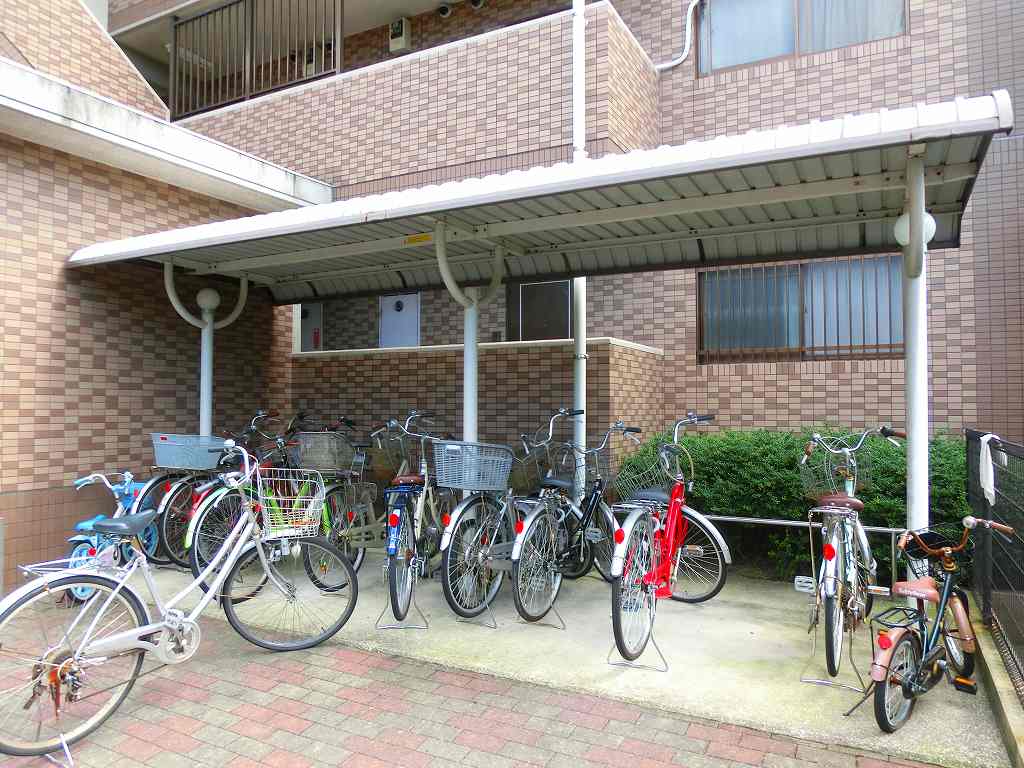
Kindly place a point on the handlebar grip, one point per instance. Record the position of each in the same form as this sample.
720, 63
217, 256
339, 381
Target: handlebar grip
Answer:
81, 482
705, 418
809, 448
1001, 528
890, 432
576, 412
273, 414
633, 430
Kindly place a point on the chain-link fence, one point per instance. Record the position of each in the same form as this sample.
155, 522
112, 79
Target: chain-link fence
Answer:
999, 565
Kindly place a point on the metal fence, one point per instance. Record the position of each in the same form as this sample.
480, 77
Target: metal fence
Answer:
245, 48
999, 564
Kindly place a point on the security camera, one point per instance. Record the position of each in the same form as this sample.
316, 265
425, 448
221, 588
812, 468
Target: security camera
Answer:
476, 5
444, 11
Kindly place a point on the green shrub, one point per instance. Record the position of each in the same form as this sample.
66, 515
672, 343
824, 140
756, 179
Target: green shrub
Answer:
755, 474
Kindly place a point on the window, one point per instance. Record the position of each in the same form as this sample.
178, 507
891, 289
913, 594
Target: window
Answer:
737, 32
839, 308
540, 311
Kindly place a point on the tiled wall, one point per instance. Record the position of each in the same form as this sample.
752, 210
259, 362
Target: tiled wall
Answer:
61, 38
95, 359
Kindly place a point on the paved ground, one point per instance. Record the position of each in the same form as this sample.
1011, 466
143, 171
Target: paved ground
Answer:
732, 691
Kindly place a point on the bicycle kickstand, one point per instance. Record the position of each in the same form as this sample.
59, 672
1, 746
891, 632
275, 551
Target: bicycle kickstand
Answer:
387, 604
69, 762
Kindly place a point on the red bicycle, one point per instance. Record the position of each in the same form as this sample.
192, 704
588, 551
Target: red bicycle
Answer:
665, 548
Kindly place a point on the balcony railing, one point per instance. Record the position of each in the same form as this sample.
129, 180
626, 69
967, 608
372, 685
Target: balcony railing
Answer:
245, 48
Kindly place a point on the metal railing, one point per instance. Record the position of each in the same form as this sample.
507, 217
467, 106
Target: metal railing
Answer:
245, 48
999, 562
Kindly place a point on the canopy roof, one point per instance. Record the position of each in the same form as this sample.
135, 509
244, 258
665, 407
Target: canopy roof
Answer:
821, 189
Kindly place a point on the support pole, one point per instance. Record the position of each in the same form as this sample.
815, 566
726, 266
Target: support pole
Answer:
579, 80
470, 359
206, 375
915, 343
579, 377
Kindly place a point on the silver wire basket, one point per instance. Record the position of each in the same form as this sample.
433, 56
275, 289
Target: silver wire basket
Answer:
634, 477
472, 466
324, 451
825, 473
291, 502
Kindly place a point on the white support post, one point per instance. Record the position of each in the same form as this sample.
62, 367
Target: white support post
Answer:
470, 357
206, 375
579, 376
579, 79
915, 342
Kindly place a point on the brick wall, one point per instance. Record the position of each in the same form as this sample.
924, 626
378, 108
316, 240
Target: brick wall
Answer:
634, 113
96, 359
61, 38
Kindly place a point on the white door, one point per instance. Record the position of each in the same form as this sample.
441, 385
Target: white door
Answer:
400, 320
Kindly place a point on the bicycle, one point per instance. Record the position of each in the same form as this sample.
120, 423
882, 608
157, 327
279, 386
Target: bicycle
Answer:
843, 584
417, 510
557, 536
665, 549
66, 667
915, 651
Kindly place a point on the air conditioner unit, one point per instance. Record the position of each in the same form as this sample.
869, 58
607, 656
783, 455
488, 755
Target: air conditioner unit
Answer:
401, 35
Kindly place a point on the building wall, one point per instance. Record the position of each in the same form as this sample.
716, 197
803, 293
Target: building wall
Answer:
61, 38
96, 359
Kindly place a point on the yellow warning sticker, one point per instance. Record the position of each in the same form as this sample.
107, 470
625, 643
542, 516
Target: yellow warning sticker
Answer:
425, 237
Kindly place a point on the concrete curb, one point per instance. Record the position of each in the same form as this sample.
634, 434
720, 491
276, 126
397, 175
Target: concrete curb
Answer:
1006, 705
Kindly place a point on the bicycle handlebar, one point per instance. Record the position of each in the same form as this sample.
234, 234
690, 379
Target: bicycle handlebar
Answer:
81, 482
690, 418
969, 524
885, 431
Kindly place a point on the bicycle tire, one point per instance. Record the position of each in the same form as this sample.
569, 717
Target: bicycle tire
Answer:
892, 708
77, 558
962, 661
174, 519
630, 596
243, 612
578, 547
539, 552
710, 569
340, 518
401, 579
12, 635
150, 498
455, 555
833, 634
604, 522
212, 526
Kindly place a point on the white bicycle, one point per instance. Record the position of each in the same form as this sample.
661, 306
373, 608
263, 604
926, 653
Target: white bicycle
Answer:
66, 666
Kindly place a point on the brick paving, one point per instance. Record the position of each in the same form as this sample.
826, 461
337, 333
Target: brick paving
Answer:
240, 707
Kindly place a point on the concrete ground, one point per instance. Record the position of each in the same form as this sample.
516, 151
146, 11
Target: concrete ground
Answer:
536, 695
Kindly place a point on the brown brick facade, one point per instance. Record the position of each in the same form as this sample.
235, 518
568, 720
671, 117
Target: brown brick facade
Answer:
61, 38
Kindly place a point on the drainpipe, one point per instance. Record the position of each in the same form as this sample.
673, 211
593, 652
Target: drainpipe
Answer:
579, 80
914, 229
208, 300
579, 377
691, 12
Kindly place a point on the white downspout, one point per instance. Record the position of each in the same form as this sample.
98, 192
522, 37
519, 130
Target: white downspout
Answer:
915, 343
579, 377
208, 300
579, 79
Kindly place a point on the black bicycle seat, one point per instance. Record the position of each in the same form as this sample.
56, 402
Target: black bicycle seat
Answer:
659, 495
128, 525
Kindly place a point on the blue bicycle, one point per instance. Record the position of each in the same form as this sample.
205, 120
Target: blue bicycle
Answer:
87, 545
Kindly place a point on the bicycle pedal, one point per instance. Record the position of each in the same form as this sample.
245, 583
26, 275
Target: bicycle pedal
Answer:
662, 593
965, 685
594, 535
805, 584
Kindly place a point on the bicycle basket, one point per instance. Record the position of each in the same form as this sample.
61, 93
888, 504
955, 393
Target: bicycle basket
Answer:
291, 502
528, 471
825, 473
472, 466
636, 476
936, 537
186, 451
323, 451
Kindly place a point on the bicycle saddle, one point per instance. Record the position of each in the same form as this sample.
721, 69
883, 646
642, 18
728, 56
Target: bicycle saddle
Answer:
129, 525
841, 500
407, 480
659, 495
556, 482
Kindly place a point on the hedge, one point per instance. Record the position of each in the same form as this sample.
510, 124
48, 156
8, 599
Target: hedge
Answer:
755, 474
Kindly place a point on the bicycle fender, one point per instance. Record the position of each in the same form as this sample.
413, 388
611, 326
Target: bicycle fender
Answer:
175, 484
619, 553
883, 657
81, 539
28, 587
719, 538
965, 632
457, 514
149, 485
194, 522
829, 570
536, 508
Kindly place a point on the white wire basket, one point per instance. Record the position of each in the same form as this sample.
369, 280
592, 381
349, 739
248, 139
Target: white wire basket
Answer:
186, 451
636, 477
291, 502
323, 451
472, 466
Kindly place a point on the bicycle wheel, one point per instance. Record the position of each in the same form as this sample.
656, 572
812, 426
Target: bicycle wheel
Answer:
150, 498
78, 558
834, 633
962, 661
603, 530
535, 573
306, 612
571, 539
402, 564
700, 567
177, 512
212, 526
467, 580
49, 689
633, 602
892, 708
343, 516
